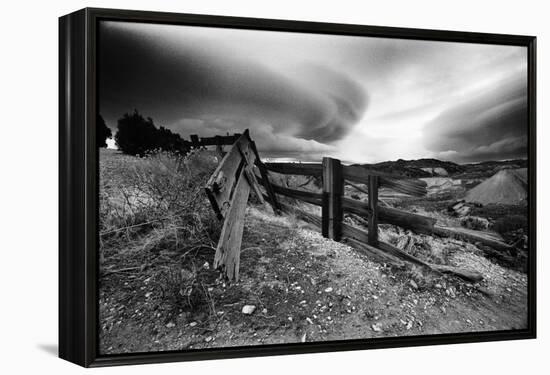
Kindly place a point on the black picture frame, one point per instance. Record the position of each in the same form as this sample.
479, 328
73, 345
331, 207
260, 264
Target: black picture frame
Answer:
78, 185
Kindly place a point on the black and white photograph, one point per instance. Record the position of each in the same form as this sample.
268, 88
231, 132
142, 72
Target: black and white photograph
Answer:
263, 187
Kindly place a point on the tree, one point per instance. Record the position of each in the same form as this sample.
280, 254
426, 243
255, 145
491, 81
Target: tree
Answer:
137, 135
102, 132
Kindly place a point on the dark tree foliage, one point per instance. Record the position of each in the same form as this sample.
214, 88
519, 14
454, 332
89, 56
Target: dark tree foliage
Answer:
137, 135
102, 132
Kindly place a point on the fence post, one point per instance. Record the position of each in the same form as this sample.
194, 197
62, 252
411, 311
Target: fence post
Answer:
333, 188
373, 205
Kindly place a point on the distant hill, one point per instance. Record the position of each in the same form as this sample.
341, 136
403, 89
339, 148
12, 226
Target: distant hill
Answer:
488, 168
421, 168
414, 168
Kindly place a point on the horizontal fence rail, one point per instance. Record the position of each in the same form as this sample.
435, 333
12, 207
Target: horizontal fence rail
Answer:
355, 174
417, 223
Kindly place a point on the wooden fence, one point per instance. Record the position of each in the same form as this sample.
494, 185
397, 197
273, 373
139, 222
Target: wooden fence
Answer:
241, 172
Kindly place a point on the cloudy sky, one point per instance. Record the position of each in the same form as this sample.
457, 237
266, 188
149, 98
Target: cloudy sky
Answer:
304, 96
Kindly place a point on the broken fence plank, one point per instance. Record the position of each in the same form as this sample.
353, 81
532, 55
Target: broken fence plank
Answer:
468, 275
228, 252
361, 175
389, 215
249, 158
469, 235
221, 184
306, 196
359, 237
303, 215
375, 253
266, 182
362, 236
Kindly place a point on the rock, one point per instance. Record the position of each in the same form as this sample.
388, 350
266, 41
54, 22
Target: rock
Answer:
208, 339
328, 290
450, 292
170, 325
148, 294
192, 324
438, 286
413, 284
409, 325
376, 327
264, 311
475, 223
206, 265
248, 309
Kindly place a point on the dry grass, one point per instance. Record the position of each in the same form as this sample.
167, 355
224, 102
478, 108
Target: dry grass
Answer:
154, 214
157, 200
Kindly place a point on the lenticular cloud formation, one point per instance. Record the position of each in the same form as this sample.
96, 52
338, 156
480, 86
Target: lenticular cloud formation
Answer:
179, 79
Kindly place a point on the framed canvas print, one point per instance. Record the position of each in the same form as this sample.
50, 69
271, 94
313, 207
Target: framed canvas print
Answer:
246, 187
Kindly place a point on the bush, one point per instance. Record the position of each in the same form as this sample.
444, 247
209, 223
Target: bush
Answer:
160, 196
139, 136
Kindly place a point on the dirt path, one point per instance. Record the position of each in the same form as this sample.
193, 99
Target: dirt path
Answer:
304, 288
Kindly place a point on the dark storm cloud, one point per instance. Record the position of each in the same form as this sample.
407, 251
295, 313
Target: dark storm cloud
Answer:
200, 86
489, 126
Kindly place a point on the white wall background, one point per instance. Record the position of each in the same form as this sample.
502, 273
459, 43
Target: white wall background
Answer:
28, 156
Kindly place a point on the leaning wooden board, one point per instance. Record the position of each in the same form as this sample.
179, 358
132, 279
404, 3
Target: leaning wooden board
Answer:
228, 252
228, 190
221, 185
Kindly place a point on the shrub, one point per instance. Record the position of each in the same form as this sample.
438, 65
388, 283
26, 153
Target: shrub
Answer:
139, 136
160, 196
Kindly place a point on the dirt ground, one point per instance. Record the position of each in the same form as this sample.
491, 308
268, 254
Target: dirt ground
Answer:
303, 288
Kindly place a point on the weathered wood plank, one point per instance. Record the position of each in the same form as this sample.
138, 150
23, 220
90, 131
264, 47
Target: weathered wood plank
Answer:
266, 182
389, 215
468, 275
228, 252
349, 231
306, 196
472, 236
220, 186
356, 187
358, 239
375, 253
306, 169
303, 215
373, 207
361, 175
249, 158
333, 189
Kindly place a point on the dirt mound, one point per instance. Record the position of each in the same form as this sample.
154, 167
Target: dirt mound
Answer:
508, 186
